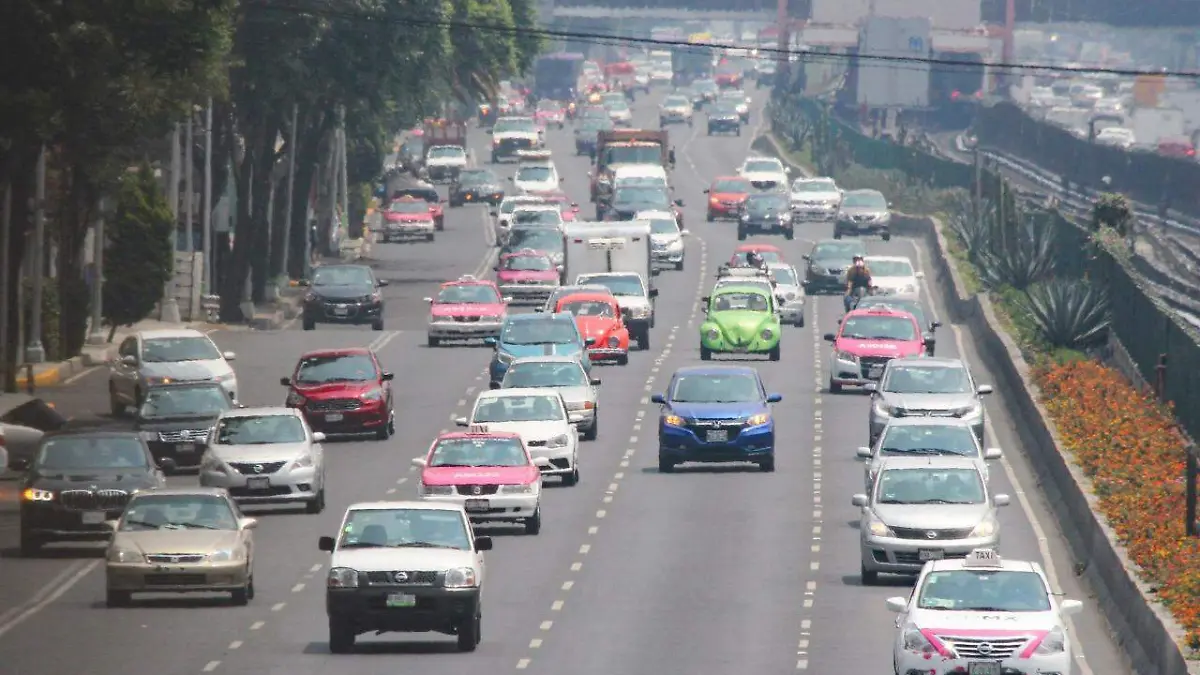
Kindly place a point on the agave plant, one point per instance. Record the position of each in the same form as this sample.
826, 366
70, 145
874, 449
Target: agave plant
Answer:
1072, 314
1019, 257
975, 234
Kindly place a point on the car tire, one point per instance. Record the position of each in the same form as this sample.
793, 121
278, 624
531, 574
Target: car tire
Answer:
429, 237
113, 598
834, 387
868, 577
316, 504
837, 234
737, 131
377, 324
341, 637
789, 234
774, 353
710, 217
115, 407
741, 234
665, 465
242, 596
533, 524
571, 479
767, 465
679, 266
623, 360
432, 341
887, 236
594, 430
643, 340
705, 353
469, 634
308, 324
800, 320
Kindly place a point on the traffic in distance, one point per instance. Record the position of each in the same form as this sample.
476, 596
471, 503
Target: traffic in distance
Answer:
593, 275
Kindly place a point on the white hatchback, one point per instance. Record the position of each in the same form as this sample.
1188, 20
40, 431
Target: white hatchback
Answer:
541, 417
894, 275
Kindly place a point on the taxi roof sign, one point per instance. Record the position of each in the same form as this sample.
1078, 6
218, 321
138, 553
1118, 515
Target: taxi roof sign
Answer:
468, 277
533, 154
477, 429
982, 557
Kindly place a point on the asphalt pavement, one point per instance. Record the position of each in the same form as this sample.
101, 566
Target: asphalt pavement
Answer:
705, 571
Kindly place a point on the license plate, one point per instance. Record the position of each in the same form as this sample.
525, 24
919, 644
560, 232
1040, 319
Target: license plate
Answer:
401, 600
983, 668
930, 554
341, 311
716, 436
93, 517
258, 483
477, 505
334, 417
875, 372
186, 447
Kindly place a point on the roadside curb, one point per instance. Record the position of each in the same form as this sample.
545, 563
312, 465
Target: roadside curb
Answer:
1145, 631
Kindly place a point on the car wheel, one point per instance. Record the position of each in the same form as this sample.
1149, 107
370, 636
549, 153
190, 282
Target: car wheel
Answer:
774, 353
837, 234
316, 504
571, 479
623, 360
114, 598
643, 340
341, 637
789, 234
741, 234
665, 465
710, 217
705, 353
737, 131
594, 430
679, 266
115, 407
138, 398
377, 324
800, 320
241, 596
887, 236
533, 524
429, 237
468, 634
432, 341
309, 324
767, 465
869, 577
384, 432
834, 387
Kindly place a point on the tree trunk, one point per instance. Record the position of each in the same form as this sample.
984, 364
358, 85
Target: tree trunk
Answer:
249, 244
22, 196
262, 184
73, 297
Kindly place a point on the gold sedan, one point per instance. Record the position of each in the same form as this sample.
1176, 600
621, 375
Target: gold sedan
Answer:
181, 540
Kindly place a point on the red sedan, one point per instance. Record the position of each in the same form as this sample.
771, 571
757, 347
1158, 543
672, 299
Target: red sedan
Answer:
725, 197
343, 391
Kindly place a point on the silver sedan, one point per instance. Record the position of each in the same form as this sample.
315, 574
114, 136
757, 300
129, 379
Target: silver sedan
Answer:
565, 374
789, 290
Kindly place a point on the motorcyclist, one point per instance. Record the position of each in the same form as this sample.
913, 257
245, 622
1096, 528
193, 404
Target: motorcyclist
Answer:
858, 282
755, 260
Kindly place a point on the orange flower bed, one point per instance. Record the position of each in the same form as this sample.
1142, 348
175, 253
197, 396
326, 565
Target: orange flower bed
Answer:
1128, 444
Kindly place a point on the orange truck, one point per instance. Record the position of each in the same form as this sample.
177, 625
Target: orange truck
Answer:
623, 147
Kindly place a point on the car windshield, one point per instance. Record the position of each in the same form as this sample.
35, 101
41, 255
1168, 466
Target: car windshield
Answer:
446, 152
527, 263
478, 451
547, 331
510, 205
676, 102
173, 350
731, 186
890, 268
518, 409
766, 254
911, 306
865, 200
663, 226
260, 430
468, 294
477, 177
640, 181
520, 125
536, 238
91, 452
328, 369
930, 486
405, 528
620, 285
558, 374
178, 512
727, 109
342, 276
785, 276
984, 591
534, 173
740, 301
408, 206
633, 154
814, 186
767, 203
716, 388
552, 217
641, 195
705, 86
588, 308
617, 106
762, 166
879, 328
929, 439
208, 401
913, 379
836, 250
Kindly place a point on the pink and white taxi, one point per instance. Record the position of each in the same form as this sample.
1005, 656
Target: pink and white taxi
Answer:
527, 276
866, 340
466, 309
490, 473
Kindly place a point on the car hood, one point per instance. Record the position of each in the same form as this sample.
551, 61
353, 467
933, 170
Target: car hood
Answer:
816, 197
479, 475
862, 211
928, 401
411, 559
632, 301
192, 540
545, 184
765, 176
717, 411
932, 516
531, 431
407, 217
334, 389
519, 275
740, 326
577, 394
273, 452
467, 309
595, 326
728, 196
893, 282
186, 371
103, 479
548, 349
341, 292
888, 348
175, 422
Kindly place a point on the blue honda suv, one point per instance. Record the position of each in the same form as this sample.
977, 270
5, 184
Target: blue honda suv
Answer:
536, 335
716, 414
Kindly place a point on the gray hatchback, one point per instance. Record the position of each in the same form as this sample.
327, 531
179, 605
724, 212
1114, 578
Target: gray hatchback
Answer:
926, 387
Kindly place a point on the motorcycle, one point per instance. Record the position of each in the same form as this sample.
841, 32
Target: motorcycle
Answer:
858, 294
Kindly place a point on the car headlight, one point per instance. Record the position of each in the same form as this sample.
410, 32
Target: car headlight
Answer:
1055, 642
148, 436
372, 395
225, 555
673, 420
712, 334
759, 419
640, 312
294, 400
986, 528
766, 334
970, 411
303, 462
342, 577
845, 356
559, 441
125, 555
503, 358
430, 490
915, 641
226, 377
36, 495
461, 577
614, 342
159, 380
878, 528
882, 409
746, 217
525, 489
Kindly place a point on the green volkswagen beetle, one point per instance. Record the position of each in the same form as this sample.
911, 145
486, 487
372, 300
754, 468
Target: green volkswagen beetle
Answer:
741, 320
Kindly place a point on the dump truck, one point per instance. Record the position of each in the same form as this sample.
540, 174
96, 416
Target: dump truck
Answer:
627, 146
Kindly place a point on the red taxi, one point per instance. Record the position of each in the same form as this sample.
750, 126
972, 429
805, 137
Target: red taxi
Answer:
866, 340
768, 252
527, 276
599, 319
725, 197
551, 113
431, 197
490, 473
408, 218
343, 391
466, 309
568, 208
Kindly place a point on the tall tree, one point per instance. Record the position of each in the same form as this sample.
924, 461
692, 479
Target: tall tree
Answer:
141, 243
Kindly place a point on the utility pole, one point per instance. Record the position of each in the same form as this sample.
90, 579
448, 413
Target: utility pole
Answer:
5, 251
170, 308
35, 352
96, 334
310, 216
189, 199
207, 224
333, 193
344, 171
291, 193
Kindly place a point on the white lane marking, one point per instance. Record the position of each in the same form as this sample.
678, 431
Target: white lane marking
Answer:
567, 585
557, 606
535, 643
236, 644
257, 625
47, 588
211, 666
585, 549
316, 568
297, 588
547, 625
522, 664
43, 602
278, 606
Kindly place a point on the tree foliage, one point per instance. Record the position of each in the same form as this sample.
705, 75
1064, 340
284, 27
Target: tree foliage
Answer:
137, 259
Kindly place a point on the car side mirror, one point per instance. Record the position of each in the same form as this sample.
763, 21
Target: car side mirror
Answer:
381, 283
859, 501
490, 132
863, 452
706, 191
495, 268
129, 360
870, 387
654, 292
539, 310
542, 462
387, 377
285, 381
992, 453
493, 213
229, 356
510, 178
889, 205
774, 398
325, 544
919, 275
830, 337
594, 381
18, 464
460, 421
419, 462
898, 604
248, 523
112, 524
1001, 500
319, 437
483, 543
685, 233
167, 464
806, 256
984, 389
1069, 607
787, 169
659, 399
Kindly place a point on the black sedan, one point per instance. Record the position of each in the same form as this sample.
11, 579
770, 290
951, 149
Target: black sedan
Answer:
346, 294
587, 133
723, 118
828, 262
766, 213
475, 186
174, 420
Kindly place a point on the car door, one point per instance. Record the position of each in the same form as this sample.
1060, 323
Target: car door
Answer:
480, 564
244, 533
124, 376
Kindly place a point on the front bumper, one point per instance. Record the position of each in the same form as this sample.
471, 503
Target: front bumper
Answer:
285, 486
527, 294
824, 282
878, 422
811, 212
856, 373
861, 227
343, 312
500, 507
51, 521
766, 226
473, 197
756, 345
464, 329
723, 209
368, 416
893, 555
606, 353
365, 609
724, 126
667, 256
742, 444
185, 455
443, 172
396, 231
918, 663
674, 117
202, 577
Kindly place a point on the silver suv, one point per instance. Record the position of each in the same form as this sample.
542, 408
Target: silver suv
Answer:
926, 387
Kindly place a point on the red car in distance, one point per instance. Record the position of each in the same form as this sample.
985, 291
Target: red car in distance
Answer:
725, 197
527, 276
598, 317
466, 309
729, 75
343, 391
568, 208
551, 113
430, 195
408, 218
768, 252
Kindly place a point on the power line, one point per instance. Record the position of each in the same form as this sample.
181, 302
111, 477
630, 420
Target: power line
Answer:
609, 39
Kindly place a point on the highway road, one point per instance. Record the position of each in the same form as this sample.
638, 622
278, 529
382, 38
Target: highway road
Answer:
705, 571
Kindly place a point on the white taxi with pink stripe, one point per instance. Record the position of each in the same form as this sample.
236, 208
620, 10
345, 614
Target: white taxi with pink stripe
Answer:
981, 615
